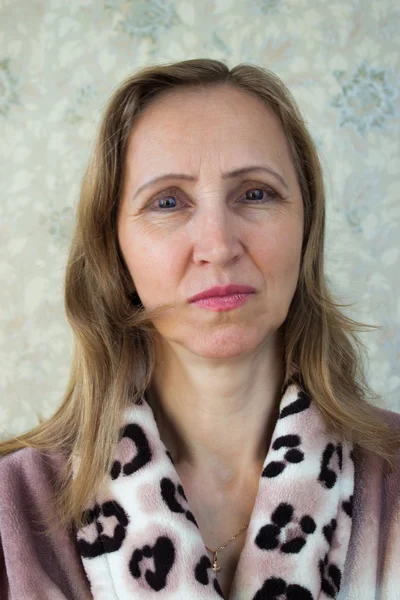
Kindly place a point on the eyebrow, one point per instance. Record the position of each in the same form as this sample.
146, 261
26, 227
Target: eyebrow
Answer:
228, 175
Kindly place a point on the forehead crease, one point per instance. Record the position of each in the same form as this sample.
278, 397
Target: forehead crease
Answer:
178, 140
165, 141
198, 115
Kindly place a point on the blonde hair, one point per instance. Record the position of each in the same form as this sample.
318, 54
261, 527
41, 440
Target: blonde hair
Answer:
114, 337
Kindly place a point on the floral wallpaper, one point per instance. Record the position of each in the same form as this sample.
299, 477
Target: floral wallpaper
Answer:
59, 62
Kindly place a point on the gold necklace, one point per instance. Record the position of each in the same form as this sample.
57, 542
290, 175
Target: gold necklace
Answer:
215, 565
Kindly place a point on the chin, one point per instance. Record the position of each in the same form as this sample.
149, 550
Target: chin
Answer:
223, 344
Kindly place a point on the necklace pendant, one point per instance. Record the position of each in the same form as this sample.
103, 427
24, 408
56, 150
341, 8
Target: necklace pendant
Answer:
215, 566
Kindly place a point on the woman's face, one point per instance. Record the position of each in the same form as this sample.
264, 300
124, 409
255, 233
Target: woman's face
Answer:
201, 228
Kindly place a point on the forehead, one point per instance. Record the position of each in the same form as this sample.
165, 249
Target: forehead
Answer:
218, 125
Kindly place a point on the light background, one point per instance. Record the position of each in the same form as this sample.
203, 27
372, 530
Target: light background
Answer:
59, 62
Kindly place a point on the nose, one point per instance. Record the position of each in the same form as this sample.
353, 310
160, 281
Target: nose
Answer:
216, 236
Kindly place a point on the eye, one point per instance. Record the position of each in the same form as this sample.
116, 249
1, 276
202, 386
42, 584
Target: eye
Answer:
260, 194
168, 201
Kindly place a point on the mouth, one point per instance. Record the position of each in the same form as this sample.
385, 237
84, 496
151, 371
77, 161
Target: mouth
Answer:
223, 303
233, 289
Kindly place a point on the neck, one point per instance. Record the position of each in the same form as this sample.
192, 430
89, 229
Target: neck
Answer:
217, 416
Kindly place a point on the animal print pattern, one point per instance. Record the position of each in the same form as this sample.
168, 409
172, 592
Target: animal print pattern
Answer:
141, 539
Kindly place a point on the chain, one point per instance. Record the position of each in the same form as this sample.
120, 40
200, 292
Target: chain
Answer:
215, 565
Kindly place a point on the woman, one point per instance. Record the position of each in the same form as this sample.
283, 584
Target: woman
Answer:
215, 439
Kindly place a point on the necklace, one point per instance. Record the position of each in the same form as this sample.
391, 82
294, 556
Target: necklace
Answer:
215, 565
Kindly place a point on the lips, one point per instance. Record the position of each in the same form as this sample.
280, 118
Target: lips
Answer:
226, 290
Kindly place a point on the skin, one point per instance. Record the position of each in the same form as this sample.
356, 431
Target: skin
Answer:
216, 389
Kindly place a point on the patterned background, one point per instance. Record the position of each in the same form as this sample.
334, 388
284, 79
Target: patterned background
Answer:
59, 62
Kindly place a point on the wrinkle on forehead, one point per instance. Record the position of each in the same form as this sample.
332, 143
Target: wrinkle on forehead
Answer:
195, 130
237, 105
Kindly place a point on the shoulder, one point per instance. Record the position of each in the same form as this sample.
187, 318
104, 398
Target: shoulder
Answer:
370, 461
35, 562
28, 488
28, 469
392, 480
390, 417
27, 457
376, 488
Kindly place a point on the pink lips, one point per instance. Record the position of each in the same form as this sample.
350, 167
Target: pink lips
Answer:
223, 290
221, 298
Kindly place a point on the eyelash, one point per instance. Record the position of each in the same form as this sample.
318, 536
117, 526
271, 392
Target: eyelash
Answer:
273, 195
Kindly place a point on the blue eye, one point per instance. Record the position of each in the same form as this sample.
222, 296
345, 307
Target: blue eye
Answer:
259, 194
166, 201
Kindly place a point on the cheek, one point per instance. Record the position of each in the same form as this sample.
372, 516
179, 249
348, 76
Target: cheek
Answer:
279, 251
152, 265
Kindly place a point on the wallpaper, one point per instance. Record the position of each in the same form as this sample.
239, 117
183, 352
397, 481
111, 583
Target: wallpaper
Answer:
60, 61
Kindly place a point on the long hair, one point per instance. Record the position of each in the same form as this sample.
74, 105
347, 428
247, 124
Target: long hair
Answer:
114, 335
